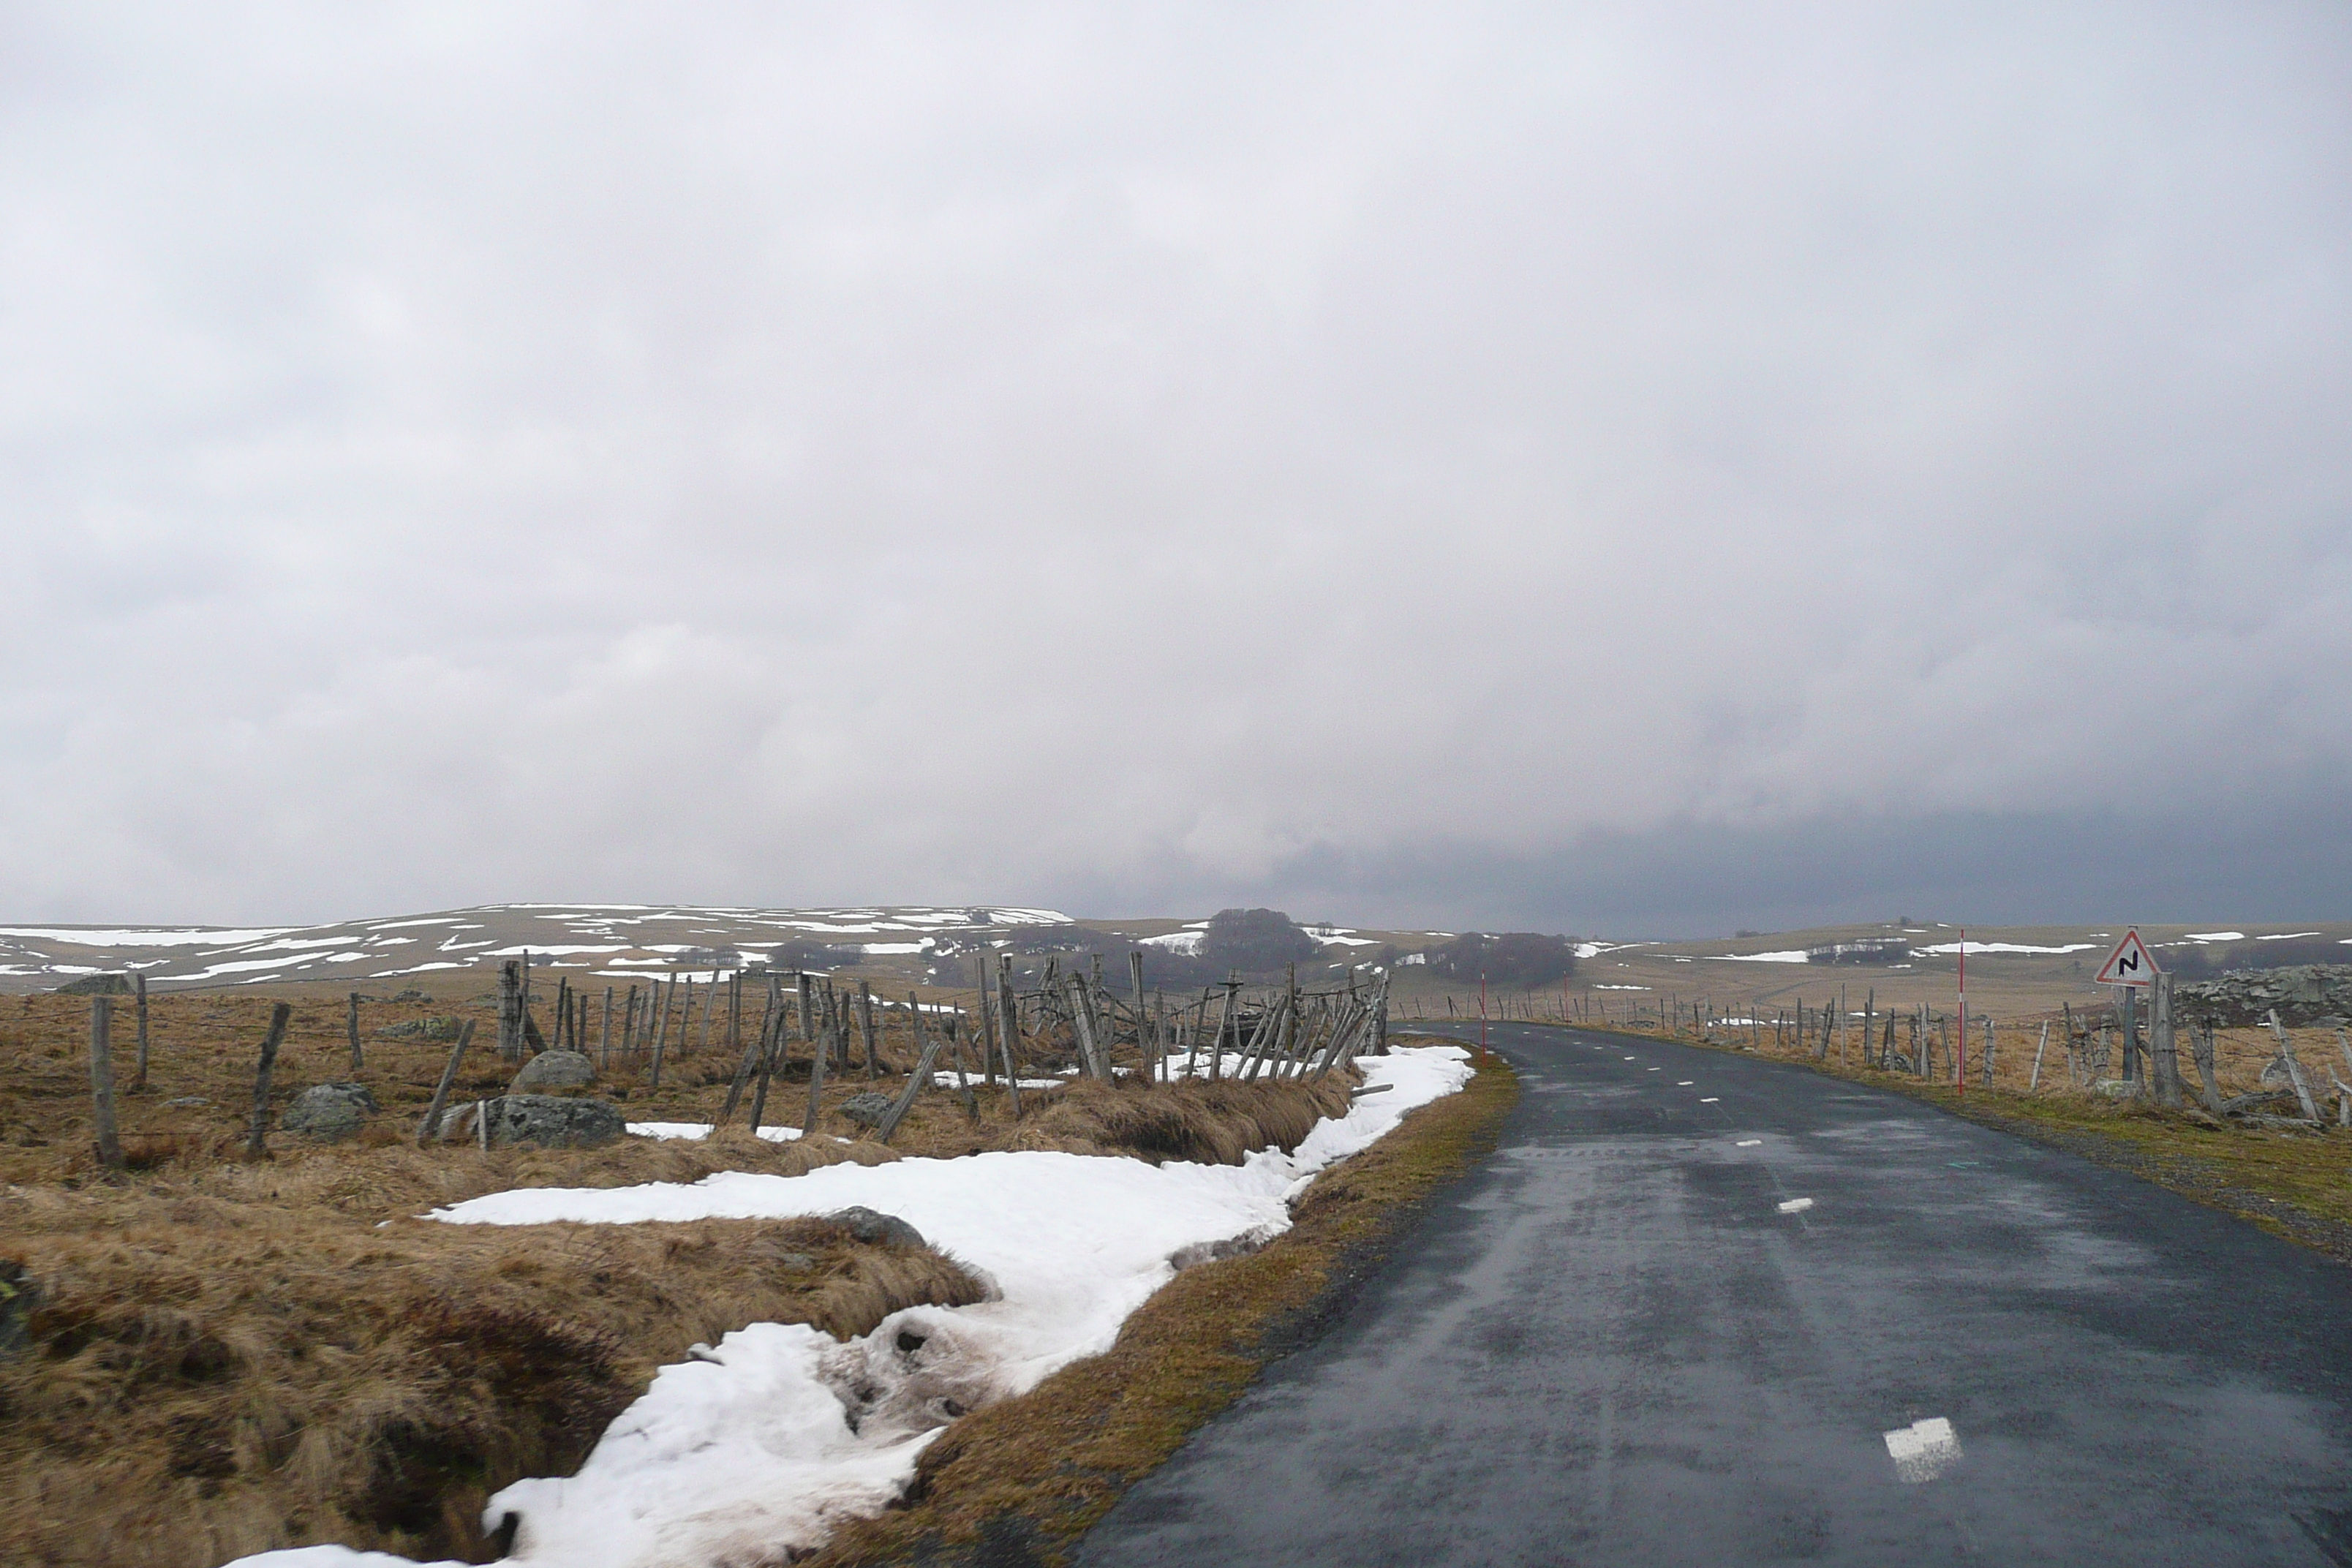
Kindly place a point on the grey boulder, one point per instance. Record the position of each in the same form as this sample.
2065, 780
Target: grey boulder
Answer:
872, 1224
866, 1110
553, 1121
328, 1111
555, 1069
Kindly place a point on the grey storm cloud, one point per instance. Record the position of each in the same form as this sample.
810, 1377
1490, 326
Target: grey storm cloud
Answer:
1519, 464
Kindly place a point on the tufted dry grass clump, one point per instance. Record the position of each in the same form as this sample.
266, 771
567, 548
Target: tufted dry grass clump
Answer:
201, 1376
207, 1356
1212, 1123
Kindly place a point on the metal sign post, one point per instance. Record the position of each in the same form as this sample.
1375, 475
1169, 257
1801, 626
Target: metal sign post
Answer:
2129, 967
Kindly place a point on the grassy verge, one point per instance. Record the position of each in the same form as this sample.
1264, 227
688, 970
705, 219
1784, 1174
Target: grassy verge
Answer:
208, 1357
1020, 1482
2296, 1184
199, 1379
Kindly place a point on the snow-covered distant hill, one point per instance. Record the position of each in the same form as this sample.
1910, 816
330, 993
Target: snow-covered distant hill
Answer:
614, 939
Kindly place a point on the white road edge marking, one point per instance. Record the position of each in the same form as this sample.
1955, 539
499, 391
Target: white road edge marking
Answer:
1684, 1082
1923, 1450
1747, 1143
1710, 1098
1796, 1206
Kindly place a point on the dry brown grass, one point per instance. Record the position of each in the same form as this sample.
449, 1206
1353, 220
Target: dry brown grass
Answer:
1021, 1481
229, 1356
208, 1377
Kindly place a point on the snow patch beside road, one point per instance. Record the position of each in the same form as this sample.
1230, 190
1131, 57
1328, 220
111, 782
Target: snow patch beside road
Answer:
766, 1441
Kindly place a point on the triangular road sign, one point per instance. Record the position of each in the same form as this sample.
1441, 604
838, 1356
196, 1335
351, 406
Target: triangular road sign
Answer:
2130, 964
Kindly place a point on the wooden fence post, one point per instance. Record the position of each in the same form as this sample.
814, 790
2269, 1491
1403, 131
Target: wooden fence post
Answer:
430, 1128
351, 1030
511, 1010
906, 1100
866, 1029
101, 1082
1008, 1032
256, 1146
2163, 1048
2034, 1082
771, 1048
661, 1032
821, 1048
139, 1084
2294, 1069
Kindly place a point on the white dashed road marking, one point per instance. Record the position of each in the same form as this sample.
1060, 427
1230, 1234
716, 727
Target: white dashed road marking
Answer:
1709, 1099
1796, 1206
1747, 1143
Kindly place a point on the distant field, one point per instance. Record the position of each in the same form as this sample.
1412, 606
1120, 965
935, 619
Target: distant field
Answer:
2014, 972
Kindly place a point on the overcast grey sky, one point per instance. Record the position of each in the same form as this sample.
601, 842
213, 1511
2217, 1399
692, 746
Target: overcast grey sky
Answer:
1655, 466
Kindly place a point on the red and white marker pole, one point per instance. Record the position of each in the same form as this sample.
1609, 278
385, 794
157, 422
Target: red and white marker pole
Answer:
1481, 1009
1960, 1062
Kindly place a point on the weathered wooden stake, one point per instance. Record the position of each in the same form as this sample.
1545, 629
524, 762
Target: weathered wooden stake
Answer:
351, 1031
823, 1047
511, 1010
256, 1146
1008, 1032
906, 1100
2033, 1081
772, 1050
2200, 1047
139, 1084
661, 1033
430, 1128
101, 1082
866, 1029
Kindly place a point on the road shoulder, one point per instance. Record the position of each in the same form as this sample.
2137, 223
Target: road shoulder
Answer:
1020, 1482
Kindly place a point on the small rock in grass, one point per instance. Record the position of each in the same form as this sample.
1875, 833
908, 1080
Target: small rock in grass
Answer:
872, 1224
866, 1110
555, 1069
329, 1110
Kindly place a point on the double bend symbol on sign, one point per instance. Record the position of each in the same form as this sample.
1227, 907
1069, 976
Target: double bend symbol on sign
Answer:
2130, 964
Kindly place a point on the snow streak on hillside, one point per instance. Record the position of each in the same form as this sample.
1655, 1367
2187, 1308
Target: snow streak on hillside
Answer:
609, 938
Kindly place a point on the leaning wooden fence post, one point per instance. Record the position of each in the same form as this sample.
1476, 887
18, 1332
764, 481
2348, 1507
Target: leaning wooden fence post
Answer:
101, 1082
256, 1146
772, 1050
1008, 1033
2034, 1082
430, 1128
906, 1100
140, 1082
352, 1029
823, 1047
2294, 1069
661, 1033
752, 1052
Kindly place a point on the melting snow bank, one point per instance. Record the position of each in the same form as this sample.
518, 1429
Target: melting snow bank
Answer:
761, 1444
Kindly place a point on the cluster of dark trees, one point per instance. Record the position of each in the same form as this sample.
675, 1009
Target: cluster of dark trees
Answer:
1512, 958
1256, 944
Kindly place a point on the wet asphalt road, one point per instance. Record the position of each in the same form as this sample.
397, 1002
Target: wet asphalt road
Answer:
1610, 1345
